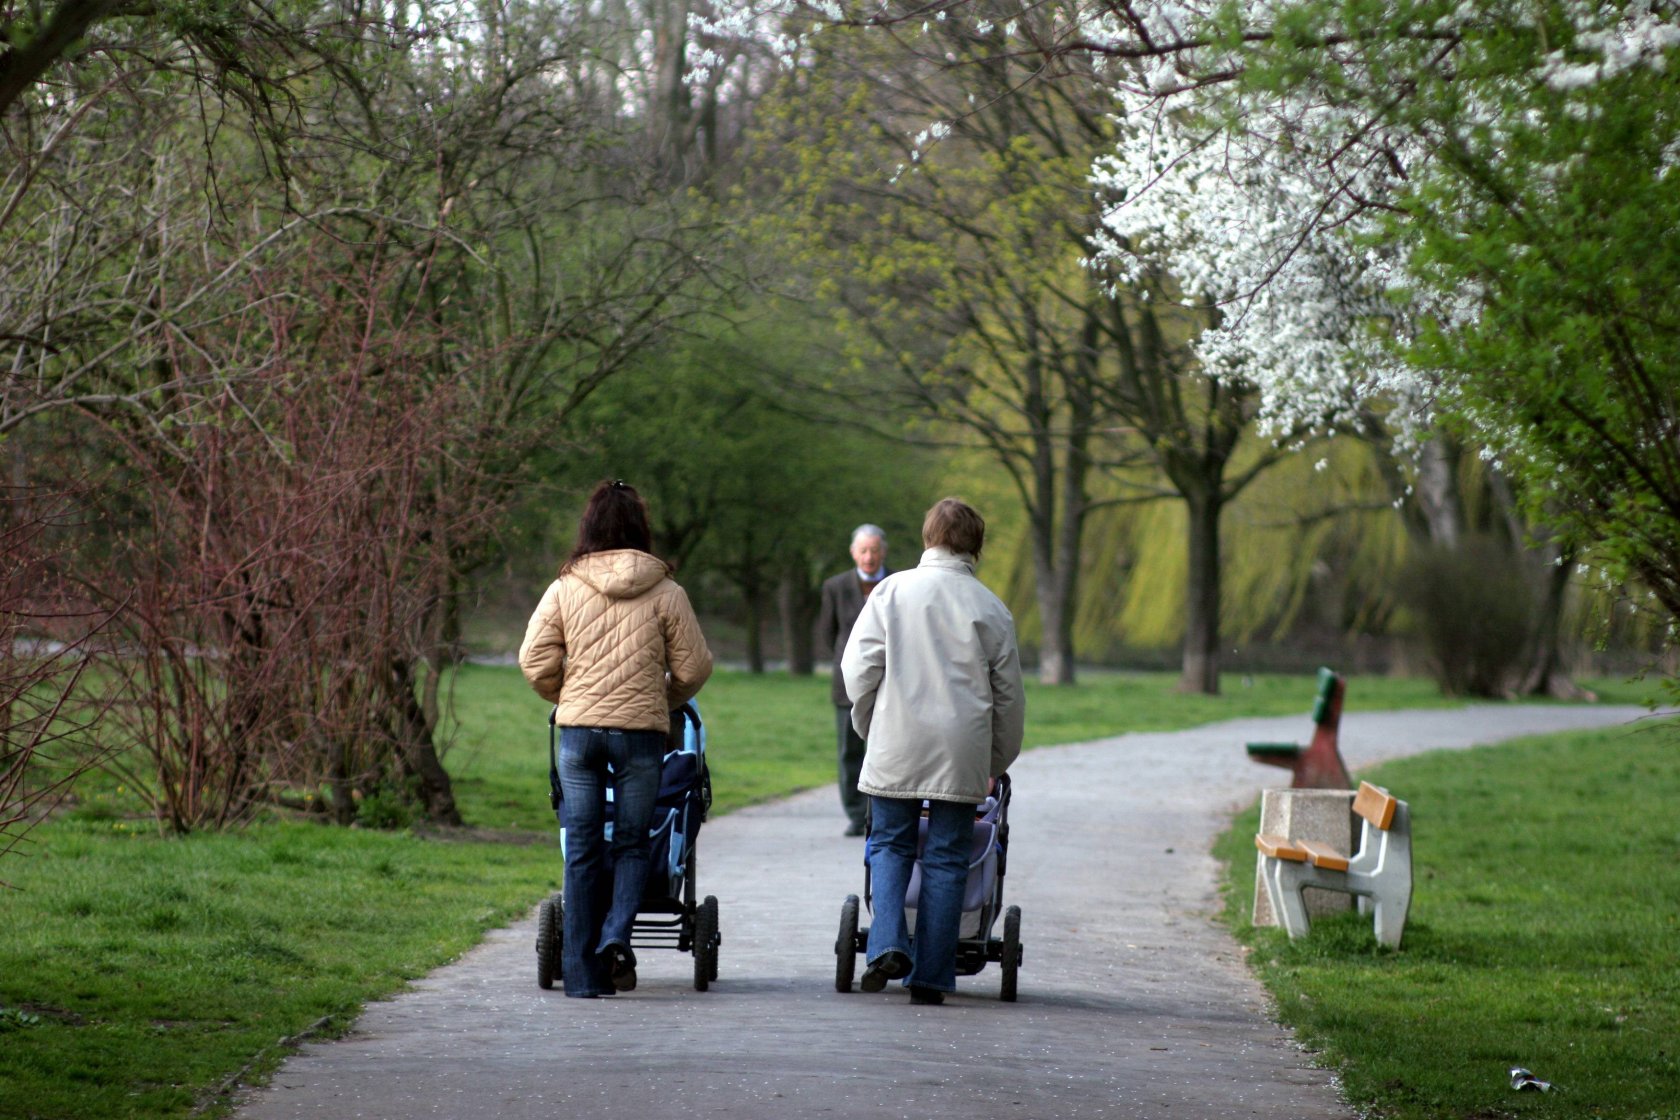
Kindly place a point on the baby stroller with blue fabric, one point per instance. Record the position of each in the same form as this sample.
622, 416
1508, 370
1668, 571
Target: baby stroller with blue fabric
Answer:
669, 917
982, 902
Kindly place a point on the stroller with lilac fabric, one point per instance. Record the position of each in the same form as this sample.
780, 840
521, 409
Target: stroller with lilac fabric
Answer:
671, 916
982, 902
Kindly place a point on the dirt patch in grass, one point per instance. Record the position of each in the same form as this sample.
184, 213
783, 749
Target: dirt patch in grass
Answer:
470, 835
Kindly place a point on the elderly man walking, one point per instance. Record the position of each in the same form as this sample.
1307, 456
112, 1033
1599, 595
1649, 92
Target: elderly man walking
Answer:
843, 597
934, 678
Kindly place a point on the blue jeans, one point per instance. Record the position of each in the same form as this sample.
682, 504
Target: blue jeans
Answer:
892, 855
604, 881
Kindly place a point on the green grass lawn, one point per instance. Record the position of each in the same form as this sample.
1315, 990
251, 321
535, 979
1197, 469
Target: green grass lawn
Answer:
773, 734
1544, 933
139, 974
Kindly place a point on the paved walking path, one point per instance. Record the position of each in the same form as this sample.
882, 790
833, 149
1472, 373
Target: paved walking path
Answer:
1133, 1001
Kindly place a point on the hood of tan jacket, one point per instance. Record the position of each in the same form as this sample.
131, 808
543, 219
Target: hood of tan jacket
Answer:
621, 574
614, 643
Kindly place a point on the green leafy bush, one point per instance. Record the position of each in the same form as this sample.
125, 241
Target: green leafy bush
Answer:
1472, 608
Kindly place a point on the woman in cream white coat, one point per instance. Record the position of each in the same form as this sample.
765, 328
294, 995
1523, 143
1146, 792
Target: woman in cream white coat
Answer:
934, 678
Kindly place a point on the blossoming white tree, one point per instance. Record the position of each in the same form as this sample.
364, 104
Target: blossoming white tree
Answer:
1514, 163
1455, 213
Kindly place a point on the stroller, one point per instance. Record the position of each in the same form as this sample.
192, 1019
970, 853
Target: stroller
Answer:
982, 902
669, 915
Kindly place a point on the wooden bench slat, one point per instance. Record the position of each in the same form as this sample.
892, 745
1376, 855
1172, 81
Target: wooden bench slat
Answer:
1323, 855
1375, 805
1280, 847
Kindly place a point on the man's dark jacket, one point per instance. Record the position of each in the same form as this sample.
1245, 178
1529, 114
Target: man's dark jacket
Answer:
842, 602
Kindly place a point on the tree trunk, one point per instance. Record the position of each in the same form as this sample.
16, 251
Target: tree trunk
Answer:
419, 754
332, 748
1201, 598
340, 783
1438, 499
1055, 666
1056, 575
1430, 506
1070, 521
755, 627
446, 644
1546, 675
26, 60
794, 600
1549, 564
1053, 588
670, 115
1051, 583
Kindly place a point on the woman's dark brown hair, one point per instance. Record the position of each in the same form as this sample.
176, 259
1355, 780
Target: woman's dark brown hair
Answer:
614, 517
956, 525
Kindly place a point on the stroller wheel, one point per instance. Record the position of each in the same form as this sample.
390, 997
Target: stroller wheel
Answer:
550, 934
706, 943
717, 938
845, 946
1011, 951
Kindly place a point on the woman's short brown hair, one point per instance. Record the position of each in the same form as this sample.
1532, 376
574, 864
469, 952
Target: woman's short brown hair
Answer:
956, 525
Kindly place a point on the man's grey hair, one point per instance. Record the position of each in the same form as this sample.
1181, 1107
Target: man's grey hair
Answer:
868, 530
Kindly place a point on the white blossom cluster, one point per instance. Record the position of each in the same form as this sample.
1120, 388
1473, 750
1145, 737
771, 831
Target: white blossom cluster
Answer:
758, 21
1258, 207
1230, 201
1610, 40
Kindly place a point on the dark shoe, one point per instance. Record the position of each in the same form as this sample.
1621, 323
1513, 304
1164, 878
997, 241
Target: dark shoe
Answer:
892, 965
621, 968
929, 996
855, 829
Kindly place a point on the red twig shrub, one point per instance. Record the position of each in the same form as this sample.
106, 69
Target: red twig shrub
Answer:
285, 568
45, 714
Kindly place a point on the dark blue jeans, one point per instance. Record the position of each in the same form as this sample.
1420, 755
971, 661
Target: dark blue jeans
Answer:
892, 855
604, 880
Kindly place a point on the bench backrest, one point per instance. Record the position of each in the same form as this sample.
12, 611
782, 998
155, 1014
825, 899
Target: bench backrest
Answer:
1375, 805
1326, 694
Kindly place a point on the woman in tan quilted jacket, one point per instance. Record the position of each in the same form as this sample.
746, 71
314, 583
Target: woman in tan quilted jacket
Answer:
615, 646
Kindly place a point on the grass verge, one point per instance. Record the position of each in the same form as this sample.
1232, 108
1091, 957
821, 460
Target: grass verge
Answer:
1544, 933
139, 976
774, 734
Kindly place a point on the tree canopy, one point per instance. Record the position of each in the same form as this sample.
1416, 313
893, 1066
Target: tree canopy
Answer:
1436, 213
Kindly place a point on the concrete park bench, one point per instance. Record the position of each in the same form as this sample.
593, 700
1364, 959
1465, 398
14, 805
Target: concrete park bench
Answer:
1319, 764
1380, 871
